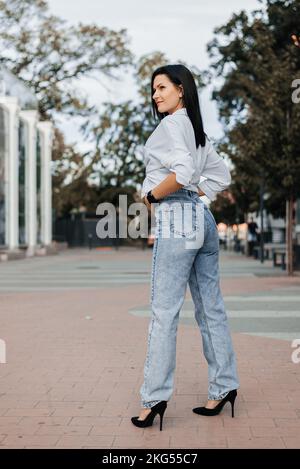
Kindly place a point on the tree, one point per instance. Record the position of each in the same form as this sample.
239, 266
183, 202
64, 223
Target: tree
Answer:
50, 56
258, 62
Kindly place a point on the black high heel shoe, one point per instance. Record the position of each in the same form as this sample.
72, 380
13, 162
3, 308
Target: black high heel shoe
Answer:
159, 408
230, 397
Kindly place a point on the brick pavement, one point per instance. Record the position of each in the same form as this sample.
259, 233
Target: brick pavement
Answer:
75, 361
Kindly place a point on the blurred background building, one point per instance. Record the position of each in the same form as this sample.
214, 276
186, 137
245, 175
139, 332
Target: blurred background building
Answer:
25, 171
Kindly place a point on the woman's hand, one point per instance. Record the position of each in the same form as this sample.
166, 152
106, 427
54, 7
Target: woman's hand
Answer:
147, 203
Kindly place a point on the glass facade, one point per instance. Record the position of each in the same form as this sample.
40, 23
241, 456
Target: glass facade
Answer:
21, 204
22, 187
3, 143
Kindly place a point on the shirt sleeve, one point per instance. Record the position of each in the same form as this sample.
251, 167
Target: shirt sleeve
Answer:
180, 160
216, 172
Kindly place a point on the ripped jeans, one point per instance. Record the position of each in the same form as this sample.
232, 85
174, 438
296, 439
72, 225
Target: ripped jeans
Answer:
186, 251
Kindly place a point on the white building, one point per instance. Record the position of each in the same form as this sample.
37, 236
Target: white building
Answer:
25, 171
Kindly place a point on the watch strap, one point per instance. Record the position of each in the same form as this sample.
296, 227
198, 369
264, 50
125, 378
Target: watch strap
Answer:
151, 198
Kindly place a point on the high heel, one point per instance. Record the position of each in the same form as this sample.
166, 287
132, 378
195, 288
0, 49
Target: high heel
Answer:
159, 408
230, 397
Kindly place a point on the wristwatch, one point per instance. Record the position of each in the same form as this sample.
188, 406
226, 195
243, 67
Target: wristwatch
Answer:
151, 199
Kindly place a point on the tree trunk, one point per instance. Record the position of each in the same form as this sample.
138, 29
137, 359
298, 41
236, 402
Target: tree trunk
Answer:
289, 236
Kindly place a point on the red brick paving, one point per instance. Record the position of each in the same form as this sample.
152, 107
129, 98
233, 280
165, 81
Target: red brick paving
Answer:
74, 383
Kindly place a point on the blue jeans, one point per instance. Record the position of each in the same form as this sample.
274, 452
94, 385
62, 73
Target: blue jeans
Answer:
177, 262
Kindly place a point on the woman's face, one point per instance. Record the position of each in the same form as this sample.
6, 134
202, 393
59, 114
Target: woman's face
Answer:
167, 96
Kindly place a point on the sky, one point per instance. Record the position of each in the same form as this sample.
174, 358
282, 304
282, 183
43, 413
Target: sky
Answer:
180, 29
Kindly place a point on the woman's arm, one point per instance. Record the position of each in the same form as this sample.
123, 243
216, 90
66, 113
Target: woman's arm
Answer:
166, 187
217, 174
169, 185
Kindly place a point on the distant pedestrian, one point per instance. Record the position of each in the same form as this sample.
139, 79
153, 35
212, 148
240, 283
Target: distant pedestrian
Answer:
251, 235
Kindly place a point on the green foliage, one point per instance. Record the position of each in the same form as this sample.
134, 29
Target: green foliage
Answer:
50, 56
258, 61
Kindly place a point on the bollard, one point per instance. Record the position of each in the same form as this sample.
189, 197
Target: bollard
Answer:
90, 239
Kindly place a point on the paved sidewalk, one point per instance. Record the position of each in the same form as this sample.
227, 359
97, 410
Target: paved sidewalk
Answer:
75, 327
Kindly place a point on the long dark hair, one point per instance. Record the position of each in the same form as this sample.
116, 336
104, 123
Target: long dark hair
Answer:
180, 75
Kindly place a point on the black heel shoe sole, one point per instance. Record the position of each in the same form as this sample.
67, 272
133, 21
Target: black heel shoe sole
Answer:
231, 396
159, 408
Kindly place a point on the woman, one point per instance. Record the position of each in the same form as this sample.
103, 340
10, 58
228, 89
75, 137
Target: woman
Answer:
177, 153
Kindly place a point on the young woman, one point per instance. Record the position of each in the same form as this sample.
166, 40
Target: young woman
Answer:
177, 153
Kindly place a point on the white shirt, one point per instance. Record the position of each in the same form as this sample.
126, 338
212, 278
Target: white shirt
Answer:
172, 148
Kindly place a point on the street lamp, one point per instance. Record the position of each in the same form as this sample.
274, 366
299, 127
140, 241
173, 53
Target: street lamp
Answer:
261, 209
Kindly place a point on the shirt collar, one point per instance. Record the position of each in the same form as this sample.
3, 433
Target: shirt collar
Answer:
182, 110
